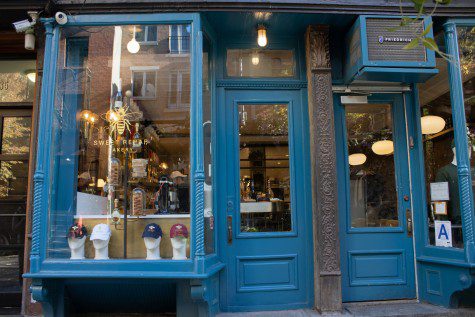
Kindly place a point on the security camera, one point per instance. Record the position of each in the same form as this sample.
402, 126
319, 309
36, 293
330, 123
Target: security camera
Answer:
22, 26
61, 18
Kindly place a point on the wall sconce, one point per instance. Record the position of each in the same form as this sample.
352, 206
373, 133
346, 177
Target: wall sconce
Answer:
357, 159
261, 36
384, 147
133, 46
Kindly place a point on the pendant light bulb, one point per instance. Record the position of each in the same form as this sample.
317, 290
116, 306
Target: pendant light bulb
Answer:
261, 36
133, 46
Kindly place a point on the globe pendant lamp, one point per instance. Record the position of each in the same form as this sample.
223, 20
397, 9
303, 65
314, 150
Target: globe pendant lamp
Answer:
432, 124
133, 46
356, 159
383, 147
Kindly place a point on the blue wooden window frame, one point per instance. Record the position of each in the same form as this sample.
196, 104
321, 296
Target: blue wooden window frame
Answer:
41, 267
426, 252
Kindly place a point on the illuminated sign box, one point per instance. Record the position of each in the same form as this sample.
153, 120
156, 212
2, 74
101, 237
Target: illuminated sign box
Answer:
375, 51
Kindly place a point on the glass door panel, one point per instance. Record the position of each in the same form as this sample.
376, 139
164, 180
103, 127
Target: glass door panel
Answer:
264, 168
373, 191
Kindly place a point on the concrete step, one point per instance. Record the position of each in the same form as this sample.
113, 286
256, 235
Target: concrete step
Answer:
368, 309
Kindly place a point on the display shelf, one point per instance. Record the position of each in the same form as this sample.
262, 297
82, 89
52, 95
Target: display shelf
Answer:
169, 216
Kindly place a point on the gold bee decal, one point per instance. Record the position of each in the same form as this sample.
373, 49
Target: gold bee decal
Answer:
119, 120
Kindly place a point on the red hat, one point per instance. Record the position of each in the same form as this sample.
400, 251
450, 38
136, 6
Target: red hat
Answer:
178, 229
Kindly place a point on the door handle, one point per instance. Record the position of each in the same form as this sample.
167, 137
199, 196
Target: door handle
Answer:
409, 222
230, 229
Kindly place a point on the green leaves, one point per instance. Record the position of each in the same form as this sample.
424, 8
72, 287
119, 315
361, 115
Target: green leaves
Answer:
412, 44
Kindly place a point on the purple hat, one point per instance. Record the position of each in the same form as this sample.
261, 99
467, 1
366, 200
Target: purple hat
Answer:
178, 229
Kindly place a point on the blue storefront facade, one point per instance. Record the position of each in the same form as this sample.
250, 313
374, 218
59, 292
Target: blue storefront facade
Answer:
205, 161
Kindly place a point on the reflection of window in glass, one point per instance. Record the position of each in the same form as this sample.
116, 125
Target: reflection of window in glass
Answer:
146, 34
260, 63
179, 90
13, 179
373, 193
123, 162
179, 39
16, 135
442, 193
207, 149
264, 168
144, 82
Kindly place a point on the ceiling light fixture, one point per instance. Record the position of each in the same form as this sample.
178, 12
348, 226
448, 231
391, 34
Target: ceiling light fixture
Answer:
356, 159
261, 36
383, 147
432, 124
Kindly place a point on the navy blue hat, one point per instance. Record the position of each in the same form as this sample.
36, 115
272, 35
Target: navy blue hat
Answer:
152, 230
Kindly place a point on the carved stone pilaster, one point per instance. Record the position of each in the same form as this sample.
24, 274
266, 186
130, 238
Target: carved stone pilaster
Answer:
327, 273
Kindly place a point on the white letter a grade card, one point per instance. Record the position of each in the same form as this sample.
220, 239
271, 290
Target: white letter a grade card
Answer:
443, 233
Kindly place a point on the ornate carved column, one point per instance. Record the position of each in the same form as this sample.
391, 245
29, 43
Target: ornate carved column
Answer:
327, 273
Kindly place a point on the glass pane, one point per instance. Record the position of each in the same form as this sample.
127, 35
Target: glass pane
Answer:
13, 179
264, 168
16, 135
442, 192
373, 191
207, 146
13, 192
260, 63
17, 81
121, 158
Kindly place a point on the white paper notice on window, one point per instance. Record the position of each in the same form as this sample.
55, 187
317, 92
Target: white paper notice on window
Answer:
439, 191
443, 233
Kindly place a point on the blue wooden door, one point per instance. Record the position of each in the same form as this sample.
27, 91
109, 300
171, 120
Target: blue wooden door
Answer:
266, 230
377, 258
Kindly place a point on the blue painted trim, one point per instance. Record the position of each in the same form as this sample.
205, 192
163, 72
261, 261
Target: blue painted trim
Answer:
118, 19
461, 141
41, 176
462, 22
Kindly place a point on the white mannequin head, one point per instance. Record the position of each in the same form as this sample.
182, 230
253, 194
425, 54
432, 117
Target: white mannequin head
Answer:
77, 247
76, 240
100, 238
179, 247
152, 235
153, 248
179, 237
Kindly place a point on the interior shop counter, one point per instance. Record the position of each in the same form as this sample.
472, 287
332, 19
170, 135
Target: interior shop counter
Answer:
135, 227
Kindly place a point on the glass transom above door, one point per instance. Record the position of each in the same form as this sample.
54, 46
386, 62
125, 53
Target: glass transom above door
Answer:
264, 168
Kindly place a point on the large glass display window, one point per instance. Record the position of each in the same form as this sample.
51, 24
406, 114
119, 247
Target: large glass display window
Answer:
121, 144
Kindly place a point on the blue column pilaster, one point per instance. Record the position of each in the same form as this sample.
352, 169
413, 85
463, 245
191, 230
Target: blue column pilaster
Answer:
197, 141
461, 140
40, 178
